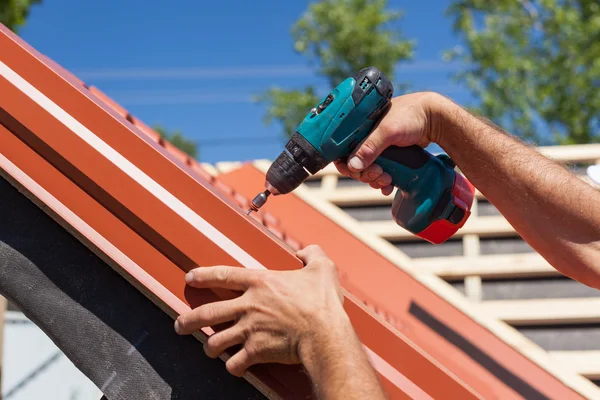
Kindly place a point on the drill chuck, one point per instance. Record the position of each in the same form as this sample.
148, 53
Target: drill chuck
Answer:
286, 174
293, 166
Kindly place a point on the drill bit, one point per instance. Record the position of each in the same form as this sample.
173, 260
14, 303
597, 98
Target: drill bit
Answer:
258, 201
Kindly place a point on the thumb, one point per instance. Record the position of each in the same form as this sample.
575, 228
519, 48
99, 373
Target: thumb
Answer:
368, 151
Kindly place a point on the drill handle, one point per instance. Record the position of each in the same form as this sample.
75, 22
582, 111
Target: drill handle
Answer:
403, 163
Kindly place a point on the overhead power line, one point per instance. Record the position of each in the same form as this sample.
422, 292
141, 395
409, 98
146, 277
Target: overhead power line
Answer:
237, 71
241, 140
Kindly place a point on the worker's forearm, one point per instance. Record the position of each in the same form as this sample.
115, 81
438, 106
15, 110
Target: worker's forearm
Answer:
337, 364
553, 210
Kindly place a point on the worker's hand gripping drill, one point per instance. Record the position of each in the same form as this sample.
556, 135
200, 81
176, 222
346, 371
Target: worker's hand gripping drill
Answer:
433, 201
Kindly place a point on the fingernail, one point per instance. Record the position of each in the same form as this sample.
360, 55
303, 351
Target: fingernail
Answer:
356, 163
177, 327
189, 277
373, 174
381, 182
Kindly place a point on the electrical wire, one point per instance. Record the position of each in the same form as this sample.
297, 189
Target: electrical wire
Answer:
242, 140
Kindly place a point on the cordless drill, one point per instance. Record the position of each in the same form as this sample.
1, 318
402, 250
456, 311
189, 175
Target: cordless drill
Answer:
433, 200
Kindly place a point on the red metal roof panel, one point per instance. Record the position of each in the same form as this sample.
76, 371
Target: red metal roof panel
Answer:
53, 130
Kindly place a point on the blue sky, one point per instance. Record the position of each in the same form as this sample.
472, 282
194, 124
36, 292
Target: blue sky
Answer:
195, 65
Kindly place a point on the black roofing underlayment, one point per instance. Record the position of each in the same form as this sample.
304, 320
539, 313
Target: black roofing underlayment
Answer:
117, 337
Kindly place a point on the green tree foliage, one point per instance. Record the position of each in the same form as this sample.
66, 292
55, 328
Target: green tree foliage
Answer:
533, 65
13, 13
339, 37
178, 140
289, 107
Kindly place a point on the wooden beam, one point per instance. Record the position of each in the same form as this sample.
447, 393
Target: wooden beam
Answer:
586, 363
328, 170
226, 166
573, 153
353, 196
473, 288
362, 195
544, 311
481, 226
471, 245
488, 266
329, 183
365, 195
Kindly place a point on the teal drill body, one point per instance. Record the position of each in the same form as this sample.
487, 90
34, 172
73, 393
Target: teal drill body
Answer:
429, 203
